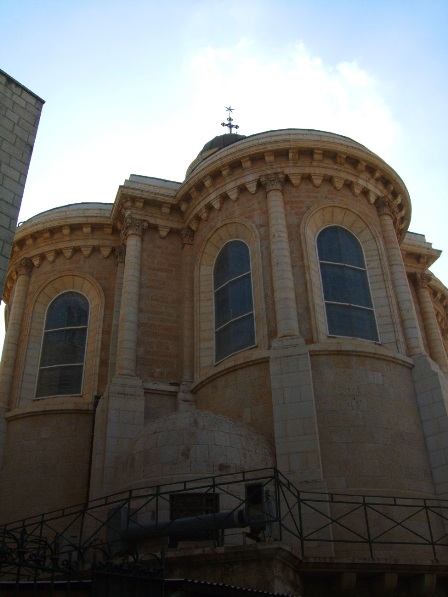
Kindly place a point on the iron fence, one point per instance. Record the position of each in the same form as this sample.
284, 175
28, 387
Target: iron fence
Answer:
130, 529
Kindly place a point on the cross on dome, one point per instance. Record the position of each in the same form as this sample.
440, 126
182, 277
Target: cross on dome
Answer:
229, 124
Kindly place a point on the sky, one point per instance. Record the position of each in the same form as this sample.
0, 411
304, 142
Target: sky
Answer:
139, 86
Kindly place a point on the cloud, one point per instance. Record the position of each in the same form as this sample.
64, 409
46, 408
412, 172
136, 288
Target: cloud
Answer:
290, 88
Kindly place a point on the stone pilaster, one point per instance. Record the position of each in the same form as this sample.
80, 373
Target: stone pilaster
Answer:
23, 271
120, 254
387, 212
283, 281
185, 399
128, 325
433, 334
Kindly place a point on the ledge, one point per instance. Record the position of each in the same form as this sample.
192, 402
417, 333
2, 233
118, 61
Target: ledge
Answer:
55, 405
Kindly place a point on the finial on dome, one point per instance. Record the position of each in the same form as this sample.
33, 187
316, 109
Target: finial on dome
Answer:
229, 124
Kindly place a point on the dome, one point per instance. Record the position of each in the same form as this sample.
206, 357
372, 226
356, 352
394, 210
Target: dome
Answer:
212, 146
192, 444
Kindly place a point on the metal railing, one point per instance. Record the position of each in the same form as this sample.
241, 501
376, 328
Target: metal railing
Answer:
259, 505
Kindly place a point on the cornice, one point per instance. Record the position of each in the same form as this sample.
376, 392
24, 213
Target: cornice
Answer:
63, 243
159, 209
439, 297
418, 256
298, 155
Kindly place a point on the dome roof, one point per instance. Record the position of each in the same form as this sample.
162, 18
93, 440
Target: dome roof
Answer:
188, 445
214, 145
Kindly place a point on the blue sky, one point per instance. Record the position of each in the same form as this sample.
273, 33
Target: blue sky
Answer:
140, 86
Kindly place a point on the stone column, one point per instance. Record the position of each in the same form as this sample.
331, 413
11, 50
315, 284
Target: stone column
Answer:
128, 325
23, 270
433, 334
387, 212
185, 399
284, 291
120, 254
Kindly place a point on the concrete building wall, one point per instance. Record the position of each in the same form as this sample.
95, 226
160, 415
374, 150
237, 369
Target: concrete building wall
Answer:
20, 111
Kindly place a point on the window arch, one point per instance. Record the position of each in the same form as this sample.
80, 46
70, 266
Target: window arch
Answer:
233, 300
62, 357
347, 298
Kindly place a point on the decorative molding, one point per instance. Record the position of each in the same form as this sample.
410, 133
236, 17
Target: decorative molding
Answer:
318, 155
225, 171
273, 182
421, 280
340, 158
234, 193
50, 255
203, 213
356, 188
217, 203
194, 224
293, 155
246, 163
86, 250
105, 252
269, 157
68, 252
337, 182
187, 235
37, 260
386, 206
24, 267
208, 182
371, 197
295, 179
252, 186
163, 230
132, 226
165, 208
317, 179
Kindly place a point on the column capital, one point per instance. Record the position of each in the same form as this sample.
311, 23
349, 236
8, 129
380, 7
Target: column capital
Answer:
132, 226
23, 267
386, 206
273, 182
187, 235
421, 280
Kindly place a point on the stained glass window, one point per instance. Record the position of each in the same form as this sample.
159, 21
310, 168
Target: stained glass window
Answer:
348, 302
234, 315
62, 356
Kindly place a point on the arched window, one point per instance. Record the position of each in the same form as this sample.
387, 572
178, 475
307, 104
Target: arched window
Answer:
62, 356
234, 308
348, 302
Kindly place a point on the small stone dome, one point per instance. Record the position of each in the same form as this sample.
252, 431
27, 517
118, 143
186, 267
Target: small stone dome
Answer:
192, 444
212, 146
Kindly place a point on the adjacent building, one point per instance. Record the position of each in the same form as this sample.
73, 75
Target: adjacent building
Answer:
20, 111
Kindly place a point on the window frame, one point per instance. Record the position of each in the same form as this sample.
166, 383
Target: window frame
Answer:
44, 331
252, 312
345, 266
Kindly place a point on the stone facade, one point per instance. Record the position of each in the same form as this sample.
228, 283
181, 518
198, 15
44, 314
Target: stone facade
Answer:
362, 413
20, 111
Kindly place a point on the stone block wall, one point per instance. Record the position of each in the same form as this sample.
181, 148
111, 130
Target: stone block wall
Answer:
20, 111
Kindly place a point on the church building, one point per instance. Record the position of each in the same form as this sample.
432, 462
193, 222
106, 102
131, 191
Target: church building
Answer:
247, 368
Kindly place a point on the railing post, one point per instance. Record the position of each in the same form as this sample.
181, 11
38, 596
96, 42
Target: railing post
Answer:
366, 517
433, 545
302, 539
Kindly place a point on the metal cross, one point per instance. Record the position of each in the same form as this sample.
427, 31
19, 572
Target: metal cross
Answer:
229, 124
